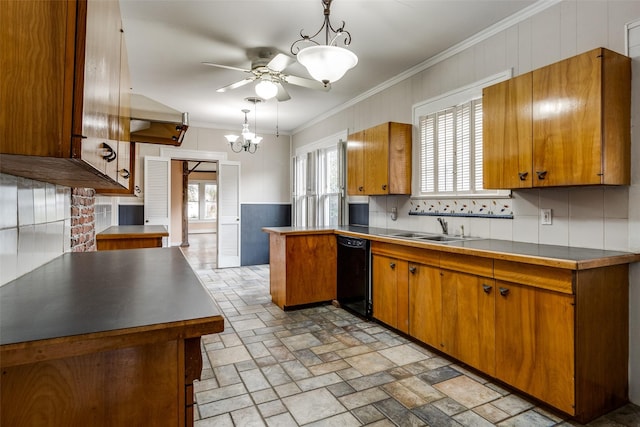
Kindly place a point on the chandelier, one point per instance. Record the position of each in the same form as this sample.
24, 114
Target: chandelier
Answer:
250, 140
326, 62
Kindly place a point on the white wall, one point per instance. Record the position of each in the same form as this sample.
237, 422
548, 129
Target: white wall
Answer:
264, 175
605, 218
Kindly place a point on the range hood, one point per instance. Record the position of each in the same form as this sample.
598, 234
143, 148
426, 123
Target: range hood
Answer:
155, 123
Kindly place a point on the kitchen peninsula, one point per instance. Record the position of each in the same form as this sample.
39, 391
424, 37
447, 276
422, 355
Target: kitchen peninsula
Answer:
104, 338
550, 321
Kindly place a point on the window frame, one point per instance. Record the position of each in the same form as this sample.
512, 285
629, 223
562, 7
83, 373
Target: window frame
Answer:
201, 183
439, 103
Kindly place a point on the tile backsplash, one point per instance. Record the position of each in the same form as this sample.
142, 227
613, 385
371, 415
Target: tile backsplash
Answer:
590, 217
35, 224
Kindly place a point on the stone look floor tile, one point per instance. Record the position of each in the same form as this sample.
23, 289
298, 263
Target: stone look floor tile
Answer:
467, 391
370, 363
322, 366
313, 406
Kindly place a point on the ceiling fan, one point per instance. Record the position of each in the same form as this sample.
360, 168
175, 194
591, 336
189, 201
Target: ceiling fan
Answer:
267, 65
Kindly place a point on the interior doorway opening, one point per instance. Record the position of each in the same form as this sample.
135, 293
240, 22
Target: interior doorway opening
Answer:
194, 200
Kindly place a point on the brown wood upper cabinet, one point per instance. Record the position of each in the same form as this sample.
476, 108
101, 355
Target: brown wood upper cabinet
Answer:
62, 119
564, 124
379, 160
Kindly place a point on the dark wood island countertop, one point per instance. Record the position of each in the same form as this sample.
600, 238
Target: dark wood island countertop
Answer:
89, 334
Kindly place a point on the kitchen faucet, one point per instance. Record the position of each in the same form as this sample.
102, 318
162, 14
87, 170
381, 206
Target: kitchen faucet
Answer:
444, 225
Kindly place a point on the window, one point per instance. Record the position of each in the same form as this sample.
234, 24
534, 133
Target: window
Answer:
201, 199
318, 183
450, 150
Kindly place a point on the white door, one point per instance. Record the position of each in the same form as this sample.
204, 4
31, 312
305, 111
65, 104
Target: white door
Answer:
228, 214
157, 192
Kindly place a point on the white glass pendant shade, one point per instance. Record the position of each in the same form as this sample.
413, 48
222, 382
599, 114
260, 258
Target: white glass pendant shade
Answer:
232, 138
266, 89
327, 64
256, 140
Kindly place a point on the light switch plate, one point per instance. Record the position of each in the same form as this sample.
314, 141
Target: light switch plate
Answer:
546, 217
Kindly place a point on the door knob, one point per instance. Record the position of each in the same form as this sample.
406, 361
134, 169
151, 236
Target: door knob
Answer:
504, 292
412, 269
541, 174
486, 289
523, 175
392, 265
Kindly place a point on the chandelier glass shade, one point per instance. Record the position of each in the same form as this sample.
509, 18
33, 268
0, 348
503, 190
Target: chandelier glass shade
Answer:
326, 62
249, 141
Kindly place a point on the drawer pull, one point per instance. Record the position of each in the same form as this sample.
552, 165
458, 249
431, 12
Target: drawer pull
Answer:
413, 269
523, 175
504, 292
392, 265
124, 173
487, 289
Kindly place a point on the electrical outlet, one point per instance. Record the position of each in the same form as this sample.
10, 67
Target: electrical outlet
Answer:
546, 218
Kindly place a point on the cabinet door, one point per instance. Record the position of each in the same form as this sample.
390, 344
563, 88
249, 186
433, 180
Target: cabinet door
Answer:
376, 160
400, 136
425, 304
390, 291
567, 122
468, 323
355, 164
507, 134
101, 86
535, 342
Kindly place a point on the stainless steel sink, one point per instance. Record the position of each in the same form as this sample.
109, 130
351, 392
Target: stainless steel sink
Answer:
442, 238
436, 238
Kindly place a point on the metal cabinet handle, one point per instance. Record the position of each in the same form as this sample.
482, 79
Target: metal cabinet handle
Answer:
487, 288
361, 188
384, 186
392, 265
109, 155
541, 174
413, 269
523, 175
504, 292
124, 173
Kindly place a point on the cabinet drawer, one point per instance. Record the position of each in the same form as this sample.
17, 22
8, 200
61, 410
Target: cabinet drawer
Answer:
554, 279
467, 263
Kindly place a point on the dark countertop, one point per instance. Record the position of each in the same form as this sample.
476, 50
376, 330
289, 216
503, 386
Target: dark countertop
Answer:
92, 292
531, 253
118, 231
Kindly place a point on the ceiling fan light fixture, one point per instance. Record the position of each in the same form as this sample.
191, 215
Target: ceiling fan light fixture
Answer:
266, 89
327, 64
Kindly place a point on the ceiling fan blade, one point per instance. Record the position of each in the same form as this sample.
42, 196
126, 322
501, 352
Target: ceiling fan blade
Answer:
228, 67
282, 94
311, 84
236, 85
280, 62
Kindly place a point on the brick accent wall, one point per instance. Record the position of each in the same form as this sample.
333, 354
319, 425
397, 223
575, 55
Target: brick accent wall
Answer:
83, 235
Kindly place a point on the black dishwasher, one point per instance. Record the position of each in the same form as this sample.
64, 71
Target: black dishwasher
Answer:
354, 284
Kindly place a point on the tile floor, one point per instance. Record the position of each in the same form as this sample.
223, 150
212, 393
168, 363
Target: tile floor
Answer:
322, 366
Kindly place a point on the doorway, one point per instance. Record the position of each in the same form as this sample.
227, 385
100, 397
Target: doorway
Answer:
166, 198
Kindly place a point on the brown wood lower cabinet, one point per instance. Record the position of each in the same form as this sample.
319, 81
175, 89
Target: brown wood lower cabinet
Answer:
534, 342
559, 335
303, 268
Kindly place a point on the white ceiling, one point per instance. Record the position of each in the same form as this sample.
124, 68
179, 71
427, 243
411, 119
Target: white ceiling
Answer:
167, 40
